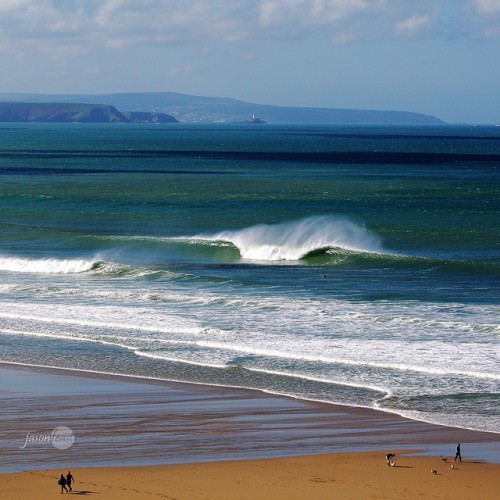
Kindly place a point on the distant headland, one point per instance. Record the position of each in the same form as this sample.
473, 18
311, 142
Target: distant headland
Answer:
75, 113
172, 107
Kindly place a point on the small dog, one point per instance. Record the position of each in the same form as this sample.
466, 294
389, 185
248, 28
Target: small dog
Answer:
444, 459
390, 459
434, 471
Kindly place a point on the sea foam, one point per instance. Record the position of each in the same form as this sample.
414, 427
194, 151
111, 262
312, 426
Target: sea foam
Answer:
46, 266
294, 240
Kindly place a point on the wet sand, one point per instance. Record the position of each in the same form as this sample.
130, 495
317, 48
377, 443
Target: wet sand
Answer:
121, 421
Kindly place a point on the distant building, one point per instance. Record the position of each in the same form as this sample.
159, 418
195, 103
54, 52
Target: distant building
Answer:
255, 119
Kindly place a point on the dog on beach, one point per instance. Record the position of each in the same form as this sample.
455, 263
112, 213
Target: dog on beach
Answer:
444, 459
434, 471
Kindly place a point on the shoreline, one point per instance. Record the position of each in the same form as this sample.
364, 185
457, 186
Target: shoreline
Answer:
147, 438
128, 421
120, 377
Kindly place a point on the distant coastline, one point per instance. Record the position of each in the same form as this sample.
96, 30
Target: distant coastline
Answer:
172, 107
75, 113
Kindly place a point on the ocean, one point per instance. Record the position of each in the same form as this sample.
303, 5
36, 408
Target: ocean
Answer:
351, 265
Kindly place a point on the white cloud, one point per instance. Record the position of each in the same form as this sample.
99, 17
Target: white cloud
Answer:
487, 12
90, 25
412, 25
487, 6
310, 12
11, 5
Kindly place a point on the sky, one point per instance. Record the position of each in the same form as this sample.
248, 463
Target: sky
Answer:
438, 57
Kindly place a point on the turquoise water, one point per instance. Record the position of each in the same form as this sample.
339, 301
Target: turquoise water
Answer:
355, 265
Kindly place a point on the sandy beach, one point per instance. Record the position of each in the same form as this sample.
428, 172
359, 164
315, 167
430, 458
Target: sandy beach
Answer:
356, 475
137, 438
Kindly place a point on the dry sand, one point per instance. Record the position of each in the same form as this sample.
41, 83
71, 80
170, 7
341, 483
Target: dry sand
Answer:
356, 475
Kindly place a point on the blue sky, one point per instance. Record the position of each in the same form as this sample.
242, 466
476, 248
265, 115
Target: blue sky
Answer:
430, 56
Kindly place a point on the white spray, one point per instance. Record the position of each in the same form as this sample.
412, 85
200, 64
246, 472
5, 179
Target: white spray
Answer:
49, 266
294, 240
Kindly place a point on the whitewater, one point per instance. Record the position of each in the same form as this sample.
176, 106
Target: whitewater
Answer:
290, 241
364, 285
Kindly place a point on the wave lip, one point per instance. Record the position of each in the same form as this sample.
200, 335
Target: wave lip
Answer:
47, 266
292, 241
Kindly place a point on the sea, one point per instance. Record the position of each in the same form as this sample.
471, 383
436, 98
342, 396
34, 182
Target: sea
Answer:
356, 265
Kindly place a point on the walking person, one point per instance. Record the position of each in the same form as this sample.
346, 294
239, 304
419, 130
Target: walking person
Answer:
69, 480
62, 483
457, 454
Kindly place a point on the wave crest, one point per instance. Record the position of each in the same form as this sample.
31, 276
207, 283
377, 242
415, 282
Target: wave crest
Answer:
47, 266
295, 240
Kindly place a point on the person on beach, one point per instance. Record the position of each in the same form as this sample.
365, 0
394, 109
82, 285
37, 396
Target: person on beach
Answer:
457, 454
62, 483
69, 480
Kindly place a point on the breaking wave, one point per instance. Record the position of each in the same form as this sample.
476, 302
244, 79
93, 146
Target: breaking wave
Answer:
48, 266
292, 241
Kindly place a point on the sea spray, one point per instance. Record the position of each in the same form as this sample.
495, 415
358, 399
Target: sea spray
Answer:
46, 266
296, 239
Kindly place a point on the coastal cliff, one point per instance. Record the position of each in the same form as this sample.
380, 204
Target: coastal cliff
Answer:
75, 113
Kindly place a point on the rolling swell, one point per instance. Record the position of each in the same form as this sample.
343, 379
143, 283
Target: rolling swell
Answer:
316, 240
315, 157
340, 257
328, 241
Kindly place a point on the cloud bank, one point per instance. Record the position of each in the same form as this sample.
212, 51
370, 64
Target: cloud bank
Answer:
83, 25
